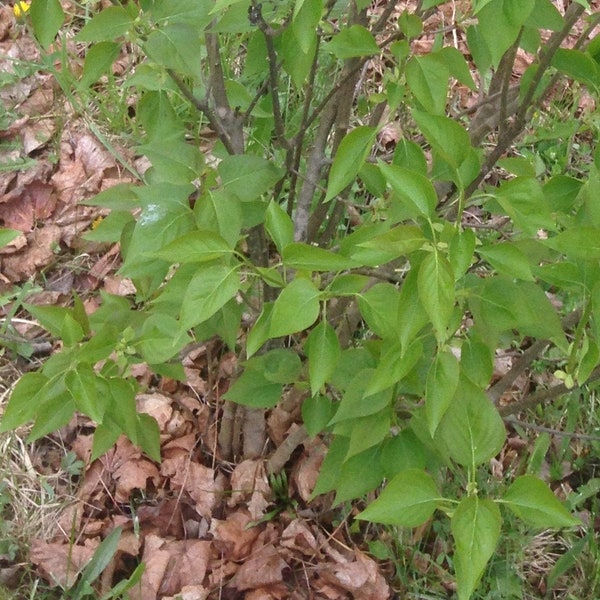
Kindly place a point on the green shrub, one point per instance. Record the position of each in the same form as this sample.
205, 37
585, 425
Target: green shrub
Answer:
380, 280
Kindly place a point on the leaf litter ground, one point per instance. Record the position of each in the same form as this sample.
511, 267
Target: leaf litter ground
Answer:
204, 527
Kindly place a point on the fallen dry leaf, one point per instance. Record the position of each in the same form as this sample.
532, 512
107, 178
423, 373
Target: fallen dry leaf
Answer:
249, 485
59, 563
360, 577
264, 567
232, 538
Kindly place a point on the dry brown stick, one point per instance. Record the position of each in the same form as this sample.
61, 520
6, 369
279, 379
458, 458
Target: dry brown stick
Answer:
285, 450
542, 396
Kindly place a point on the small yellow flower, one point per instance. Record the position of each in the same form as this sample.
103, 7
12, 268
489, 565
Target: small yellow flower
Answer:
20, 9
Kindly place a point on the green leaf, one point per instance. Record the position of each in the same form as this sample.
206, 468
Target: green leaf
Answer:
210, 289
354, 404
277, 366
403, 451
259, 334
52, 415
166, 215
307, 14
329, 473
410, 315
349, 158
120, 394
442, 382
82, 385
379, 308
523, 200
506, 304
98, 61
471, 428
446, 136
148, 434
460, 251
161, 338
105, 437
221, 212
410, 25
415, 190
427, 77
508, 259
118, 197
353, 42
410, 155
279, 226
580, 243
7, 236
102, 556
395, 364
174, 160
533, 502
252, 388
436, 291
106, 26
194, 247
296, 63
25, 400
545, 16
358, 475
248, 177
365, 432
50, 318
323, 350
171, 46
111, 227
348, 284
311, 258
476, 362
192, 12
398, 241
408, 500
71, 331
296, 308
578, 65
47, 17
476, 529
458, 66
317, 411
500, 22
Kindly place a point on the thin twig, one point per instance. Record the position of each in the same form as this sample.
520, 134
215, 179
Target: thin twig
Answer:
571, 434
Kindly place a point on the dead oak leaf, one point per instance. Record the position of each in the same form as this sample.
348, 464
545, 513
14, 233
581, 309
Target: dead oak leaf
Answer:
232, 537
158, 406
298, 536
38, 253
360, 577
263, 568
200, 482
60, 563
172, 566
249, 484
190, 592
132, 475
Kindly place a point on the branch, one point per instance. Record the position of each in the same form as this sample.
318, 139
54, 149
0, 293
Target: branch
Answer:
571, 434
571, 16
526, 359
313, 173
543, 396
269, 33
203, 106
231, 122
